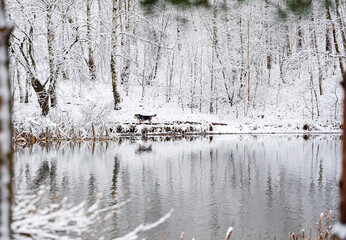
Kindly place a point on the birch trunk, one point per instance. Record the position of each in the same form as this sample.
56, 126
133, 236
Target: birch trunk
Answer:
170, 70
126, 46
116, 95
50, 42
21, 92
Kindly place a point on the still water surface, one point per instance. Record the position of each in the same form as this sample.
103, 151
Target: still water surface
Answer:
263, 186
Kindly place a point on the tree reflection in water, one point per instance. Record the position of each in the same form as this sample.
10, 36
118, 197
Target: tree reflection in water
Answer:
263, 186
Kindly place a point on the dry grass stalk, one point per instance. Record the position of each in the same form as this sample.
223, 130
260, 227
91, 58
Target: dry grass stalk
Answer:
229, 233
181, 235
320, 234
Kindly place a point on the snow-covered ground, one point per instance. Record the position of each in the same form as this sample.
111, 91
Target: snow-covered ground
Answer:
82, 107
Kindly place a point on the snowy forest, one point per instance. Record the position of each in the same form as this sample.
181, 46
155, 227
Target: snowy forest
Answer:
164, 80
100, 62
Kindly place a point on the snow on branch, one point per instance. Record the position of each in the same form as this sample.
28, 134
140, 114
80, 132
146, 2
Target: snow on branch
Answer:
56, 220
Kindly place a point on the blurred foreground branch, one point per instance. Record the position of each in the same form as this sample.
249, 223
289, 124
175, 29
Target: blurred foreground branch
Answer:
34, 219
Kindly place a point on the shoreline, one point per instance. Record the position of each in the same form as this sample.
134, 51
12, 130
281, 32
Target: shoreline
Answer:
116, 131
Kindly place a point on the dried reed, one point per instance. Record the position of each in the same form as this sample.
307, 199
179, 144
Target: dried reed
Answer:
320, 234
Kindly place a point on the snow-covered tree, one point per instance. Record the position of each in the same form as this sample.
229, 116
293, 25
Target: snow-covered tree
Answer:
228, 58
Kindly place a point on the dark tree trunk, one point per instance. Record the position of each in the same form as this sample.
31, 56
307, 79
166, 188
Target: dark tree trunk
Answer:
43, 101
300, 36
52, 90
341, 23
53, 100
27, 87
42, 95
343, 175
336, 45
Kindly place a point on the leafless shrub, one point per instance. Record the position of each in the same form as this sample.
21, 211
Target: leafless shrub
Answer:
95, 112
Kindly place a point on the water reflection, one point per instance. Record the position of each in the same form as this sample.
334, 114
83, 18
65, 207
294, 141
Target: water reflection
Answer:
42, 174
263, 186
144, 149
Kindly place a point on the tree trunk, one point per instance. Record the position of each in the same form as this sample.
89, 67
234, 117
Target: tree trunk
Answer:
170, 70
336, 45
248, 55
242, 67
341, 23
267, 40
211, 109
5, 130
126, 46
164, 23
314, 46
27, 89
288, 46
300, 36
229, 52
50, 43
343, 174
21, 92
116, 95
42, 94
91, 63
328, 17
64, 34
229, 96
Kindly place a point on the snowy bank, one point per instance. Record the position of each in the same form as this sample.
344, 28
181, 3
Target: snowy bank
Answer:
90, 115
44, 129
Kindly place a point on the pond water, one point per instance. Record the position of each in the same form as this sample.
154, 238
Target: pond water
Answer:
264, 186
